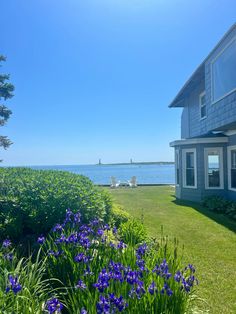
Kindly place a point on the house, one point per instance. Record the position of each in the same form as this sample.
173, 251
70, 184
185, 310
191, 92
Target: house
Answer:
205, 156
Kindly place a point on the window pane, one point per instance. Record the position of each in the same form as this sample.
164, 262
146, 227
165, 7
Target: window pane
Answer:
203, 111
233, 158
177, 166
190, 160
190, 180
203, 100
213, 170
233, 178
177, 176
224, 74
233, 168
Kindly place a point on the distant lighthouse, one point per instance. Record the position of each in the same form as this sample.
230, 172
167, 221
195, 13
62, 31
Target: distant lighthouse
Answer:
99, 162
131, 160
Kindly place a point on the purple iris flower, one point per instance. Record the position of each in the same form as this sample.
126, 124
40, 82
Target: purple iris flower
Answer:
103, 305
54, 305
162, 270
6, 243
14, 285
83, 311
100, 232
81, 285
152, 288
178, 276
121, 245
9, 257
57, 227
166, 289
41, 239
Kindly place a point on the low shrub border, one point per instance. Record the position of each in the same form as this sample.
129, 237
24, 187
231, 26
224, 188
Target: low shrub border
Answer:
32, 201
221, 205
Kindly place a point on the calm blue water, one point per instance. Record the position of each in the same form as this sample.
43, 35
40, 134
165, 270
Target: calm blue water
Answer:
101, 174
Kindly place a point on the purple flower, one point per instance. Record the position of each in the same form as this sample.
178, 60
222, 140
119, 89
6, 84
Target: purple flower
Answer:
141, 250
62, 239
81, 257
178, 276
103, 305
9, 257
81, 285
6, 243
152, 288
166, 289
100, 232
88, 271
14, 285
106, 227
55, 253
41, 240
132, 277
57, 227
162, 270
83, 311
118, 302
54, 305
121, 245
114, 230
77, 218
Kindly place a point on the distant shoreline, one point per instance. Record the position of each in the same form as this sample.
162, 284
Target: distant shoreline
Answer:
139, 163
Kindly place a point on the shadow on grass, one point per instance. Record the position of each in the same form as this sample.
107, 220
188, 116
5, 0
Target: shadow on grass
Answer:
219, 218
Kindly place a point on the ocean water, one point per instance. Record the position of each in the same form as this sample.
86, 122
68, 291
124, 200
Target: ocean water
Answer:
101, 174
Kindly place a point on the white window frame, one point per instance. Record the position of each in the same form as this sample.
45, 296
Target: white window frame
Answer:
194, 151
200, 105
177, 166
219, 150
229, 148
212, 62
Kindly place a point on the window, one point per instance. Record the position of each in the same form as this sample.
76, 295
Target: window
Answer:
214, 168
223, 72
232, 167
202, 102
189, 168
177, 167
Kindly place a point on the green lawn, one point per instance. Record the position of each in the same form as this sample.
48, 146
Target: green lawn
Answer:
209, 239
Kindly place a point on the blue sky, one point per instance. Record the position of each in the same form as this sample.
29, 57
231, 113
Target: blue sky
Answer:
93, 79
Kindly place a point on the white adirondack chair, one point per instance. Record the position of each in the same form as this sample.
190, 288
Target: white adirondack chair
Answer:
114, 183
133, 182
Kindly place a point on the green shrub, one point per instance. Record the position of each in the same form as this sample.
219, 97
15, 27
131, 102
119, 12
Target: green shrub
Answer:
32, 201
216, 203
119, 215
133, 232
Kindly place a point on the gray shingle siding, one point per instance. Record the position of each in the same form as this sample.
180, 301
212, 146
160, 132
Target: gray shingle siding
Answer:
219, 114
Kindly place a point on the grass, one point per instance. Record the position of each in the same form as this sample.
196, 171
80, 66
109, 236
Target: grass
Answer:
209, 239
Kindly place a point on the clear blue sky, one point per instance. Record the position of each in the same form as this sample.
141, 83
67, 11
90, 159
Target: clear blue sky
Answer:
94, 78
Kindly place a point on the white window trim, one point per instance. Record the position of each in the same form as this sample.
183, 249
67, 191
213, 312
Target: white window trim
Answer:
177, 163
229, 148
221, 167
212, 62
194, 151
200, 105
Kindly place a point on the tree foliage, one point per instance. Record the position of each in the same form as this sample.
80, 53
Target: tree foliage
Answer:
6, 92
